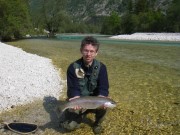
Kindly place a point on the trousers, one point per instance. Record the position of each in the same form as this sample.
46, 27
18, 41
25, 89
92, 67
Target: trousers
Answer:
71, 119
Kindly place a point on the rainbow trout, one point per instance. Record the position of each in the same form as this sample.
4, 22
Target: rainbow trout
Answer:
88, 102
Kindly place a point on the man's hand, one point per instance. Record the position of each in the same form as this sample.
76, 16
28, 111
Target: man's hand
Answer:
75, 107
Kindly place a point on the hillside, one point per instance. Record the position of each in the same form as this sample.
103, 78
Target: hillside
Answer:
83, 10
112, 17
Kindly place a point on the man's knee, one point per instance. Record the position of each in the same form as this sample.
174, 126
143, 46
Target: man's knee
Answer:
70, 125
71, 120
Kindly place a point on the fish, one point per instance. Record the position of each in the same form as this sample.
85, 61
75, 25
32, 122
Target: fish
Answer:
88, 102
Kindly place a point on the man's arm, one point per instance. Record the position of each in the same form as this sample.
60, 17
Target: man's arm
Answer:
73, 89
103, 82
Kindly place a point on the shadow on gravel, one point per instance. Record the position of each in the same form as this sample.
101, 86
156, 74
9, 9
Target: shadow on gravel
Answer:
50, 104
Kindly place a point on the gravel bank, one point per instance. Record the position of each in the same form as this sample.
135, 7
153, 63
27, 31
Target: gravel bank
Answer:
150, 36
26, 77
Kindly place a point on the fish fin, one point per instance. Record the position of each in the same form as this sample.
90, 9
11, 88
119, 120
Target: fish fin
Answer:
83, 110
60, 109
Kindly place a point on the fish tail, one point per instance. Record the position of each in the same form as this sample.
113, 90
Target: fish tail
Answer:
60, 109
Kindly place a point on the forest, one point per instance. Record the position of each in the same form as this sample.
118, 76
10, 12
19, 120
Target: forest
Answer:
34, 17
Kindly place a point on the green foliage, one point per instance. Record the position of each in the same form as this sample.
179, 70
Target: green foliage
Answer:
151, 22
15, 19
128, 23
75, 27
157, 23
111, 24
141, 6
105, 16
173, 17
88, 16
50, 15
144, 16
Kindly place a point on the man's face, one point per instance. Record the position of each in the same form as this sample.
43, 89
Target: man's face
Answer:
89, 52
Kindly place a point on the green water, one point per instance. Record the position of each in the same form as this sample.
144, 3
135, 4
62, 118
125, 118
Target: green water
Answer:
144, 79
106, 40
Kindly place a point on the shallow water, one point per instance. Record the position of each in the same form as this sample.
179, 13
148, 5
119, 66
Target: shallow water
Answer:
106, 40
144, 80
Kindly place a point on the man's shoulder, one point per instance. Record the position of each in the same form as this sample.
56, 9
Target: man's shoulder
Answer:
77, 63
102, 64
102, 67
73, 64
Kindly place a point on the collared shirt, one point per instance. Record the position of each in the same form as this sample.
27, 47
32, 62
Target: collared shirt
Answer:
73, 88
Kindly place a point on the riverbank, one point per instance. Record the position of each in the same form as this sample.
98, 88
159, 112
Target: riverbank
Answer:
150, 36
26, 77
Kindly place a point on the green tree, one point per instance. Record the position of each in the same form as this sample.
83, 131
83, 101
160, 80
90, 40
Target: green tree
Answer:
3, 18
111, 24
141, 6
52, 12
158, 23
173, 17
151, 21
130, 6
129, 23
14, 20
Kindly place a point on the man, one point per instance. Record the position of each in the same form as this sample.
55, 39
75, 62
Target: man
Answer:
86, 77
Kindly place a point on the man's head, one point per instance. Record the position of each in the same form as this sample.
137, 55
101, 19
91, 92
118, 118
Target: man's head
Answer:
90, 40
89, 49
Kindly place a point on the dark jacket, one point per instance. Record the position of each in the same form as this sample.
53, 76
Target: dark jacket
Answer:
73, 87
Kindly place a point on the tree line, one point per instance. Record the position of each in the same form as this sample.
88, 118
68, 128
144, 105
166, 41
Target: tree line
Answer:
141, 16
15, 19
19, 17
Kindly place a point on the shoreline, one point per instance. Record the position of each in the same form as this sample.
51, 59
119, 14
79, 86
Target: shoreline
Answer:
149, 36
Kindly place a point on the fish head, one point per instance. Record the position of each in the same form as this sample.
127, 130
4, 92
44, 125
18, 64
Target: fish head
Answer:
109, 104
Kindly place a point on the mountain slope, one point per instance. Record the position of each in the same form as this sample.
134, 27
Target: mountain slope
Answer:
85, 9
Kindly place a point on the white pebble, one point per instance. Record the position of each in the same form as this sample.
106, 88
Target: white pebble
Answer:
25, 77
150, 36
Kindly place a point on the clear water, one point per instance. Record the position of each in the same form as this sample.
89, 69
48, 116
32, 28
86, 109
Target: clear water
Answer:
105, 39
144, 79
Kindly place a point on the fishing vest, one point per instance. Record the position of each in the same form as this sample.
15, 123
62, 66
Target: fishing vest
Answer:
87, 83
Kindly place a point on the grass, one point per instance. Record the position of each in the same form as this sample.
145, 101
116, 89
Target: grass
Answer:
144, 80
